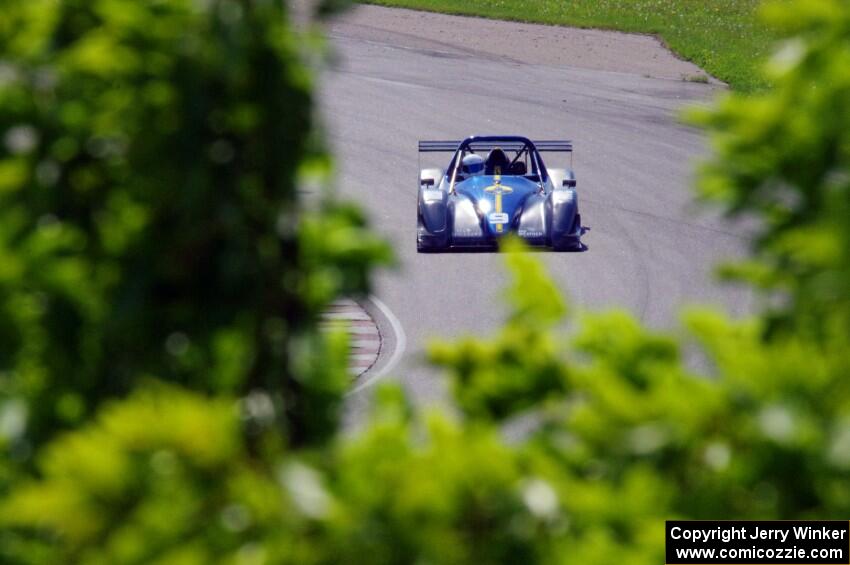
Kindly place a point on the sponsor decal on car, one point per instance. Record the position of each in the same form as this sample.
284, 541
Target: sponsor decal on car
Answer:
530, 233
498, 189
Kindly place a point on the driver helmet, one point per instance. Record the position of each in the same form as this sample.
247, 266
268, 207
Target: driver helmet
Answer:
472, 165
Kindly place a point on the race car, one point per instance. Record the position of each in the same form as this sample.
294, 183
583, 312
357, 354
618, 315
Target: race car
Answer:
493, 186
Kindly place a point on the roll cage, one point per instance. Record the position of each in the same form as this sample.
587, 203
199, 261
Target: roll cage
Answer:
525, 151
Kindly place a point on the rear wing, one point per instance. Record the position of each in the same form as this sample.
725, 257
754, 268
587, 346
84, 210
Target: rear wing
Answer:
485, 145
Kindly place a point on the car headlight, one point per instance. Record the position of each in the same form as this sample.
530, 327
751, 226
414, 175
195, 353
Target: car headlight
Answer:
484, 206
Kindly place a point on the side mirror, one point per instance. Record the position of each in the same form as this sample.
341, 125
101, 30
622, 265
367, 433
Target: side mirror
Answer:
427, 182
571, 183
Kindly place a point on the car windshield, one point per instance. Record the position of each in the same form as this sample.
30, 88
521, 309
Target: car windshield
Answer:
492, 159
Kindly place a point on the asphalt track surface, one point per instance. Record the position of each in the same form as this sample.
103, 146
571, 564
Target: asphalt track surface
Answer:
650, 251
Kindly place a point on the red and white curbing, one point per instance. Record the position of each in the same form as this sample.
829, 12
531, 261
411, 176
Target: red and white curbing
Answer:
363, 332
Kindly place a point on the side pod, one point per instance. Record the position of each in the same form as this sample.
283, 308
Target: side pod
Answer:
565, 233
432, 226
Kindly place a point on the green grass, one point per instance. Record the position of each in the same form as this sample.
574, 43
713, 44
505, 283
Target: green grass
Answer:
723, 37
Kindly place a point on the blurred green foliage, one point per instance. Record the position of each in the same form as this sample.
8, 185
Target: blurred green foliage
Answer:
782, 159
562, 448
149, 223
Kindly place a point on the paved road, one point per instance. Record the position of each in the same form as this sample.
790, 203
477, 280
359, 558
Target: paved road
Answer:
648, 251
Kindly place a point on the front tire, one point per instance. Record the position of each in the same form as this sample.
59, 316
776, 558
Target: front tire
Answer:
572, 241
436, 245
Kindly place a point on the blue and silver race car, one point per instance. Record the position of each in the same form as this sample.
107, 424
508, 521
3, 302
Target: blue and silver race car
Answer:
495, 185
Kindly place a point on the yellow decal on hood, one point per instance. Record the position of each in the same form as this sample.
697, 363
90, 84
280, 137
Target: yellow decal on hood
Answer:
498, 189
